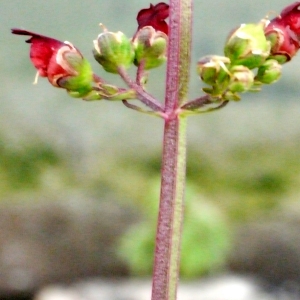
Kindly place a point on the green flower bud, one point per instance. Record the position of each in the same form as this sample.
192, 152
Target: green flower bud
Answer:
113, 50
269, 72
242, 79
150, 46
213, 69
248, 46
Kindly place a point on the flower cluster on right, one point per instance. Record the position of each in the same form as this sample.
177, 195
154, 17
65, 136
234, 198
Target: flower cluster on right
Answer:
254, 54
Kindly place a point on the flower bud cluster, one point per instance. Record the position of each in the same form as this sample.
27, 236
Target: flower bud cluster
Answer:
147, 49
113, 50
247, 64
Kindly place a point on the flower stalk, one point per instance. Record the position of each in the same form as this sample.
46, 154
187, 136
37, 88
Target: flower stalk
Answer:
170, 218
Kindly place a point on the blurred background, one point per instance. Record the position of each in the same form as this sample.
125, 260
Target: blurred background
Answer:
79, 181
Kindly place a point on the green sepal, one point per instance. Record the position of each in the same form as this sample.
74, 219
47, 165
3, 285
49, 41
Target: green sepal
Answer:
91, 96
231, 96
111, 92
82, 82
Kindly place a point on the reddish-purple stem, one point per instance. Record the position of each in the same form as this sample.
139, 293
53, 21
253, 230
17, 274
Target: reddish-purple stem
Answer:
168, 236
142, 95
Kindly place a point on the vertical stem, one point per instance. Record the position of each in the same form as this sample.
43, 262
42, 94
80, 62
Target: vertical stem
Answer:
168, 238
170, 218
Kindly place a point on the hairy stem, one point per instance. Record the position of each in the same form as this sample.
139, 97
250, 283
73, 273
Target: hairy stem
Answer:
142, 95
170, 218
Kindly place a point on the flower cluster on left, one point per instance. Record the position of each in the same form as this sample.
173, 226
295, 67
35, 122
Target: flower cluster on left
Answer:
65, 67
61, 63
253, 56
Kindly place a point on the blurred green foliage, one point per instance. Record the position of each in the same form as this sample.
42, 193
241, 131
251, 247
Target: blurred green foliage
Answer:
205, 243
224, 188
22, 167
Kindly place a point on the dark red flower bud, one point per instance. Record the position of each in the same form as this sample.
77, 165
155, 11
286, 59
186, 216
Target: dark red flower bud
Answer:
154, 16
284, 33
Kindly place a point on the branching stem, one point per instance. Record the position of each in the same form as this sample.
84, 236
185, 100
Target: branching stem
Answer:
142, 95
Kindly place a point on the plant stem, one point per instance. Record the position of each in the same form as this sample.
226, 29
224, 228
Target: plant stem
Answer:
170, 218
143, 96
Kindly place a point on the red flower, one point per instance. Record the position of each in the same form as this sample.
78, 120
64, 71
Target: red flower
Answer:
284, 32
59, 61
154, 16
42, 49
